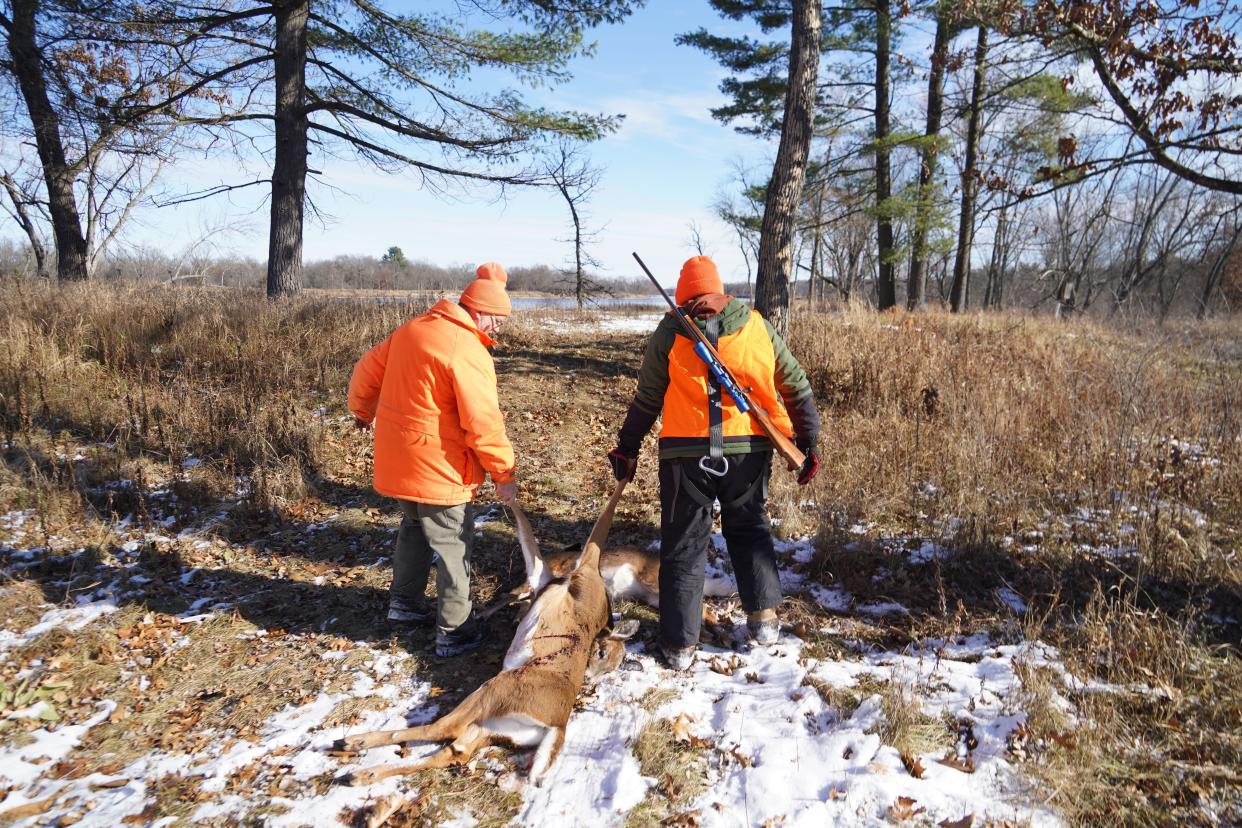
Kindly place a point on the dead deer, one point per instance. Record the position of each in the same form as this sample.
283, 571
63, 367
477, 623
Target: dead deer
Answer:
634, 574
563, 638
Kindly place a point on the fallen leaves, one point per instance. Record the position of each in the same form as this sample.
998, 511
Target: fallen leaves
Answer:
964, 822
686, 819
913, 765
965, 765
723, 666
741, 758
904, 809
28, 810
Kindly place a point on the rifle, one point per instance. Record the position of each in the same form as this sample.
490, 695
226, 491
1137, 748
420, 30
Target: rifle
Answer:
784, 446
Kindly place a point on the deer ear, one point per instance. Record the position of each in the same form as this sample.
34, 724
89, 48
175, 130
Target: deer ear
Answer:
624, 629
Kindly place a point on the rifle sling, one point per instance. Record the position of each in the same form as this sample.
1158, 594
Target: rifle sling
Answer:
715, 415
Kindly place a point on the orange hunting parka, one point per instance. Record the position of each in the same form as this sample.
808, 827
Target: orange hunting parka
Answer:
431, 389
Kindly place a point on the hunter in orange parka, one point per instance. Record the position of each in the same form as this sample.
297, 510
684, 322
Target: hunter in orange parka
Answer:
431, 389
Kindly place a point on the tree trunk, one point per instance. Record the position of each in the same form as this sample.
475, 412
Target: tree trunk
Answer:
57, 175
925, 208
579, 279
781, 200
958, 295
996, 267
284, 252
20, 203
1213, 277
814, 289
885, 288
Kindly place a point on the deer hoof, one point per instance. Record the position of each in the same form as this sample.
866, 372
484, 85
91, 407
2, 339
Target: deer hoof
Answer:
360, 777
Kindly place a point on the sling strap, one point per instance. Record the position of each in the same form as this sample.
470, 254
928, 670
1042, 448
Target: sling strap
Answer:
715, 463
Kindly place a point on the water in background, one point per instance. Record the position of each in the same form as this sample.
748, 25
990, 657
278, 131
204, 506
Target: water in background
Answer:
568, 302
530, 302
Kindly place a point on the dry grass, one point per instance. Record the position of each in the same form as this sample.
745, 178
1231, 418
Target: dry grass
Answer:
1018, 442
905, 726
680, 770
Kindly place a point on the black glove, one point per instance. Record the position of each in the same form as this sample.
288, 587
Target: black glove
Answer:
810, 467
623, 465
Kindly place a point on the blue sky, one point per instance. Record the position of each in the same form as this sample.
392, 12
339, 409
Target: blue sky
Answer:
662, 170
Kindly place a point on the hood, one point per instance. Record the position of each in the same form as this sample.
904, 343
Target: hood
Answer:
455, 313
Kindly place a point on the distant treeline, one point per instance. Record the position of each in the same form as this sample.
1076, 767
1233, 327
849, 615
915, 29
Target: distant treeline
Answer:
388, 272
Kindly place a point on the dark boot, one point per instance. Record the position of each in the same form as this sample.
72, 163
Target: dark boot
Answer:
468, 636
404, 612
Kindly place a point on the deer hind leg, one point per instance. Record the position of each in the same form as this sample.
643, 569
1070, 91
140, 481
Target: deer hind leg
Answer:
449, 726
549, 748
456, 753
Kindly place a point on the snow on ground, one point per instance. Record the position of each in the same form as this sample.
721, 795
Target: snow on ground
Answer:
606, 322
782, 752
777, 750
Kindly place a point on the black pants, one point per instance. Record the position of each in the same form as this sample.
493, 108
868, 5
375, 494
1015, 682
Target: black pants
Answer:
686, 495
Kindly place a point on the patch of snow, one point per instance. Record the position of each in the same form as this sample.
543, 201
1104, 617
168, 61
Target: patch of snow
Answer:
882, 608
929, 551
25, 765
73, 618
1012, 600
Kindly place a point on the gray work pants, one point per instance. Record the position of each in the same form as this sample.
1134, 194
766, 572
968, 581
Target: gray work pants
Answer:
448, 532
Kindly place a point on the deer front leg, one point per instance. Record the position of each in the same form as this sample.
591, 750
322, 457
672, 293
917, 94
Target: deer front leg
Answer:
457, 753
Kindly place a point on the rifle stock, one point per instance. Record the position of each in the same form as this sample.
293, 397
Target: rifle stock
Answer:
783, 445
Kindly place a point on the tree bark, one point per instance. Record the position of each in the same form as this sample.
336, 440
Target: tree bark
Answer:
814, 290
781, 200
579, 278
917, 281
958, 295
886, 288
993, 296
57, 175
284, 252
1213, 277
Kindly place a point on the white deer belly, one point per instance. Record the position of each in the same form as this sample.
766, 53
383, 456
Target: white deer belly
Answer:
518, 728
621, 583
523, 646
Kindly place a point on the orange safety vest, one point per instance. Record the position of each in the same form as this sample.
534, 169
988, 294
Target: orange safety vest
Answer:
748, 353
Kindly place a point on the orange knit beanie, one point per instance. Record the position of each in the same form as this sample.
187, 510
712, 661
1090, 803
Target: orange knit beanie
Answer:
698, 276
486, 294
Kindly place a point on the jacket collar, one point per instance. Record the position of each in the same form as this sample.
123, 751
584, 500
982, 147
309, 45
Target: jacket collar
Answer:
455, 313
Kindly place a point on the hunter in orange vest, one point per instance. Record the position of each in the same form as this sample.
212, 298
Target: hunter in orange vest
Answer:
710, 451
430, 390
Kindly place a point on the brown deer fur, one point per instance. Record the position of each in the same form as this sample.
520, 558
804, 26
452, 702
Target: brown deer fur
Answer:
562, 638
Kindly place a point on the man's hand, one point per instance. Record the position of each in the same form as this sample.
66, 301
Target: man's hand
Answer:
507, 492
622, 466
361, 424
810, 467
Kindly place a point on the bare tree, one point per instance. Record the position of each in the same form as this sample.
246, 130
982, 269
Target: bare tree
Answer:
959, 295
98, 86
575, 178
26, 208
696, 239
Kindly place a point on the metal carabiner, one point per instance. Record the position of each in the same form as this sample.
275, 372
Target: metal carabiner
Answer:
724, 466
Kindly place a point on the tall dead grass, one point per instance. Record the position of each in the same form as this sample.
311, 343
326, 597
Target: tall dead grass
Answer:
222, 376
1098, 470
1001, 413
